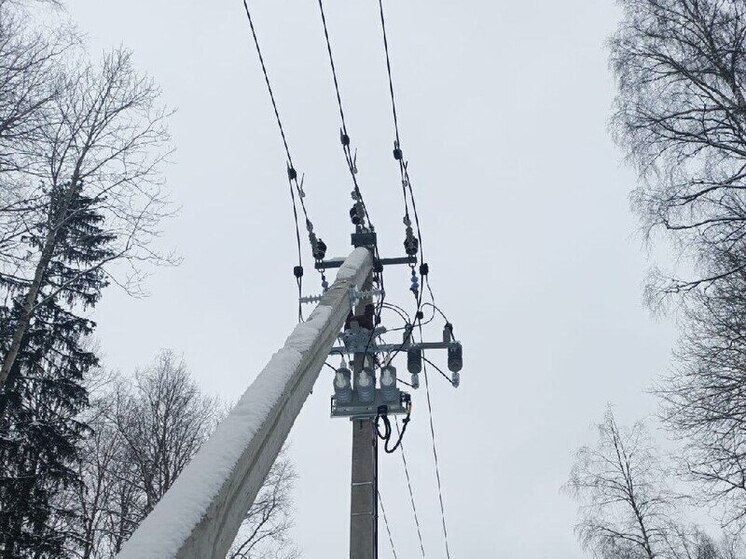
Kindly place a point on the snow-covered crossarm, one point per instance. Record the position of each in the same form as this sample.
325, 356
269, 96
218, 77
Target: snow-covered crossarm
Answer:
202, 512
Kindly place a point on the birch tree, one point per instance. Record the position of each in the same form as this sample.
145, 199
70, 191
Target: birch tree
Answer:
99, 147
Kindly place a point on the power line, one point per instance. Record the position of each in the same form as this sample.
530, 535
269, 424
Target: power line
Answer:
435, 455
344, 135
318, 248
398, 153
386, 523
409, 486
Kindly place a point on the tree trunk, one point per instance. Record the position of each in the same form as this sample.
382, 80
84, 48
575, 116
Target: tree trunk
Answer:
50, 243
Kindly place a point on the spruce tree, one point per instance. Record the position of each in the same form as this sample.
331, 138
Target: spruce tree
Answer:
44, 395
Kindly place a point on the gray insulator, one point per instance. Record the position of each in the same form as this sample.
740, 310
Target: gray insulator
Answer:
456, 379
366, 385
415, 380
455, 358
343, 386
388, 384
414, 360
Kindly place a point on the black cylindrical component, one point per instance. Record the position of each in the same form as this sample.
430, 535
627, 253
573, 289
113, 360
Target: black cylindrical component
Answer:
411, 245
354, 215
298, 271
455, 358
319, 250
414, 360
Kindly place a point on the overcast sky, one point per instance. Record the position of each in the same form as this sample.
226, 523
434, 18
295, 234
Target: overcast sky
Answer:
526, 225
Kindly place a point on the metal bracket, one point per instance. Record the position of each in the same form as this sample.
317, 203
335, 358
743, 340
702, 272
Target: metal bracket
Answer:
369, 410
359, 341
337, 262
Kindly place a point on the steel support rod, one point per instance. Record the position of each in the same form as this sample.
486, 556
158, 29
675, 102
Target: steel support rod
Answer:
198, 518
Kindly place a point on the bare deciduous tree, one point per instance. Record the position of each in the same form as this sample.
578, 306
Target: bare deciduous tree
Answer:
144, 434
681, 115
626, 509
704, 399
264, 533
98, 147
163, 421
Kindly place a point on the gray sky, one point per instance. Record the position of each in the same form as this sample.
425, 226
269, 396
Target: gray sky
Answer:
523, 197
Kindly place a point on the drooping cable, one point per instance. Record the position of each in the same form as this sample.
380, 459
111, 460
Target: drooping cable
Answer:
445, 376
351, 161
409, 487
435, 455
318, 248
398, 152
386, 523
344, 134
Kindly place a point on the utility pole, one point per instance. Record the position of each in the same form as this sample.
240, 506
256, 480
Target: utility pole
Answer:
364, 476
364, 490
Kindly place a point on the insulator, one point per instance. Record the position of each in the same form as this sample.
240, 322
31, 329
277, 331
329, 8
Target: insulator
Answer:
366, 385
456, 379
415, 381
343, 386
411, 245
324, 283
414, 360
415, 286
448, 332
319, 250
407, 221
354, 215
388, 384
455, 358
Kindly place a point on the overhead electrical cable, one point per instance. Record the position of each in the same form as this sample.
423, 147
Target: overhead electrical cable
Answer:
398, 151
435, 454
386, 523
409, 487
318, 248
344, 134
351, 160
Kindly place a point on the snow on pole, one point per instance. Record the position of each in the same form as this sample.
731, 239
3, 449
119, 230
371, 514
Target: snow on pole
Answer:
201, 513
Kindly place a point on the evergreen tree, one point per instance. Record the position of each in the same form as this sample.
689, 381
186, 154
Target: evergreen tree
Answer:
44, 395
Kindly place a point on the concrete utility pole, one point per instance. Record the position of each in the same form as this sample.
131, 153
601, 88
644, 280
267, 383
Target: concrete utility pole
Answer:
364, 478
364, 490
199, 517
